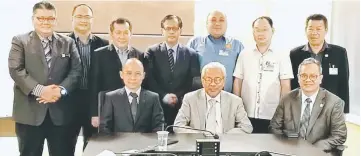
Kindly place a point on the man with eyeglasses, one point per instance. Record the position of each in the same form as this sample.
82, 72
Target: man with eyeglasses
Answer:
45, 67
310, 111
333, 58
211, 108
217, 46
262, 75
86, 43
171, 67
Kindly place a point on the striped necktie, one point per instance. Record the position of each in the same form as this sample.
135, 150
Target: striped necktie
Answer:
47, 50
171, 59
305, 119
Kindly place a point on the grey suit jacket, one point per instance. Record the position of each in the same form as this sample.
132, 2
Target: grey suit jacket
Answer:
327, 128
28, 67
116, 115
193, 111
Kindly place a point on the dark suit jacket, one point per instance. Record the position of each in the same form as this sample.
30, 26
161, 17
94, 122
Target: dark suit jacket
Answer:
333, 55
327, 128
28, 67
117, 116
104, 74
161, 80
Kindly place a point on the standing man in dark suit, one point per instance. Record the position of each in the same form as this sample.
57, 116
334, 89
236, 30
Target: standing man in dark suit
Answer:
108, 61
333, 59
86, 43
45, 67
171, 67
132, 108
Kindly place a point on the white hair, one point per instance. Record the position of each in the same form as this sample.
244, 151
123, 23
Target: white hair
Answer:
214, 65
310, 61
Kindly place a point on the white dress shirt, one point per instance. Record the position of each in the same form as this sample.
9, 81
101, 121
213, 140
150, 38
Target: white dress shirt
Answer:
262, 75
130, 98
219, 127
122, 54
175, 49
304, 103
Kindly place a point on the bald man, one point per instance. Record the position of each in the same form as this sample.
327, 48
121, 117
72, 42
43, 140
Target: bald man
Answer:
131, 108
216, 47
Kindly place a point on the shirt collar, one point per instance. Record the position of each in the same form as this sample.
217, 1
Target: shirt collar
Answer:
119, 51
308, 48
270, 49
175, 47
50, 38
312, 97
89, 37
217, 98
128, 91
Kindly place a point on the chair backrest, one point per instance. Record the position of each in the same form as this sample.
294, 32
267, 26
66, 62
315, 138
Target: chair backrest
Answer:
101, 98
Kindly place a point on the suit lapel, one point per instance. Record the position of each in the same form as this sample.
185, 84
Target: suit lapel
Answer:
126, 105
224, 109
141, 105
296, 107
201, 105
180, 58
114, 54
38, 48
164, 55
56, 44
316, 110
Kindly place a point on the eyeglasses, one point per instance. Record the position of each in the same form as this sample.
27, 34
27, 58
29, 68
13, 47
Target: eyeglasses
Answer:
312, 77
79, 17
43, 19
171, 28
216, 80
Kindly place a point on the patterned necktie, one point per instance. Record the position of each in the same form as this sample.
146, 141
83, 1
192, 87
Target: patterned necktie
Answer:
134, 105
305, 119
171, 59
211, 122
47, 50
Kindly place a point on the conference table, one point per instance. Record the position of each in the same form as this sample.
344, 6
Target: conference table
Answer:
230, 144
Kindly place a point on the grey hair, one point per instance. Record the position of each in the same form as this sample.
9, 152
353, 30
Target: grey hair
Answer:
310, 61
214, 65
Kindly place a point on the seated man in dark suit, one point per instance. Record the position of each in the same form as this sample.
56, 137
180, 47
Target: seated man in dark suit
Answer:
131, 108
314, 112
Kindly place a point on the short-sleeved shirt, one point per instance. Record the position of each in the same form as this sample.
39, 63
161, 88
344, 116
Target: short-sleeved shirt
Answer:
261, 75
224, 50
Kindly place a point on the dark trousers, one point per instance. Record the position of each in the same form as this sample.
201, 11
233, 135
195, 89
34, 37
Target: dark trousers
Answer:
83, 117
260, 125
31, 138
170, 114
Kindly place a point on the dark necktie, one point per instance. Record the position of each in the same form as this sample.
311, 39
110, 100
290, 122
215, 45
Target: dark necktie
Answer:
305, 119
171, 59
134, 105
47, 50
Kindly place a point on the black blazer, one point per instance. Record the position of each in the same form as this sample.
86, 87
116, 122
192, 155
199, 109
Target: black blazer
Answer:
104, 74
117, 116
161, 80
333, 55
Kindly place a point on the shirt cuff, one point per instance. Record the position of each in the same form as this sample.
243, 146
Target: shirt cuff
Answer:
38, 89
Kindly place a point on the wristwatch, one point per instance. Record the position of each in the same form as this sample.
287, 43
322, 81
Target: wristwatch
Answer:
63, 91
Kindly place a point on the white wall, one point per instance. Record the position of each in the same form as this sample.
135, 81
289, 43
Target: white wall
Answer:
16, 18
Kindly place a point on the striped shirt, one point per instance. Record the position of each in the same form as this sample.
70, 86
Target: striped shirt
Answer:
84, 52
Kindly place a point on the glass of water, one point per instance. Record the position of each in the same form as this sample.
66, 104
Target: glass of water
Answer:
162, 140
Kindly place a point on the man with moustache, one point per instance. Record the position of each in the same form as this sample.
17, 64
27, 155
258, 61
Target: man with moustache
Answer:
216, 47
86, 43
262, 75
45, 67
109, 60
333, 58
171, 67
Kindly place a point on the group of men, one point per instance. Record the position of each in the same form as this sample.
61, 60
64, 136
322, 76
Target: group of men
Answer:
213, 83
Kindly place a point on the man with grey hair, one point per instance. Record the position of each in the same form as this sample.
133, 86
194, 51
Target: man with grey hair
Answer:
310, 111
211, 108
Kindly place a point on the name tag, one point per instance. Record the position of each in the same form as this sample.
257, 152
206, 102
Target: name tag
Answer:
65, 55
223, 52
333, 71
269, 66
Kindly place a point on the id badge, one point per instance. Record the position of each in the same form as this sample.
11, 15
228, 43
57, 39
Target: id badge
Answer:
223, 52
333, 71
269, 66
